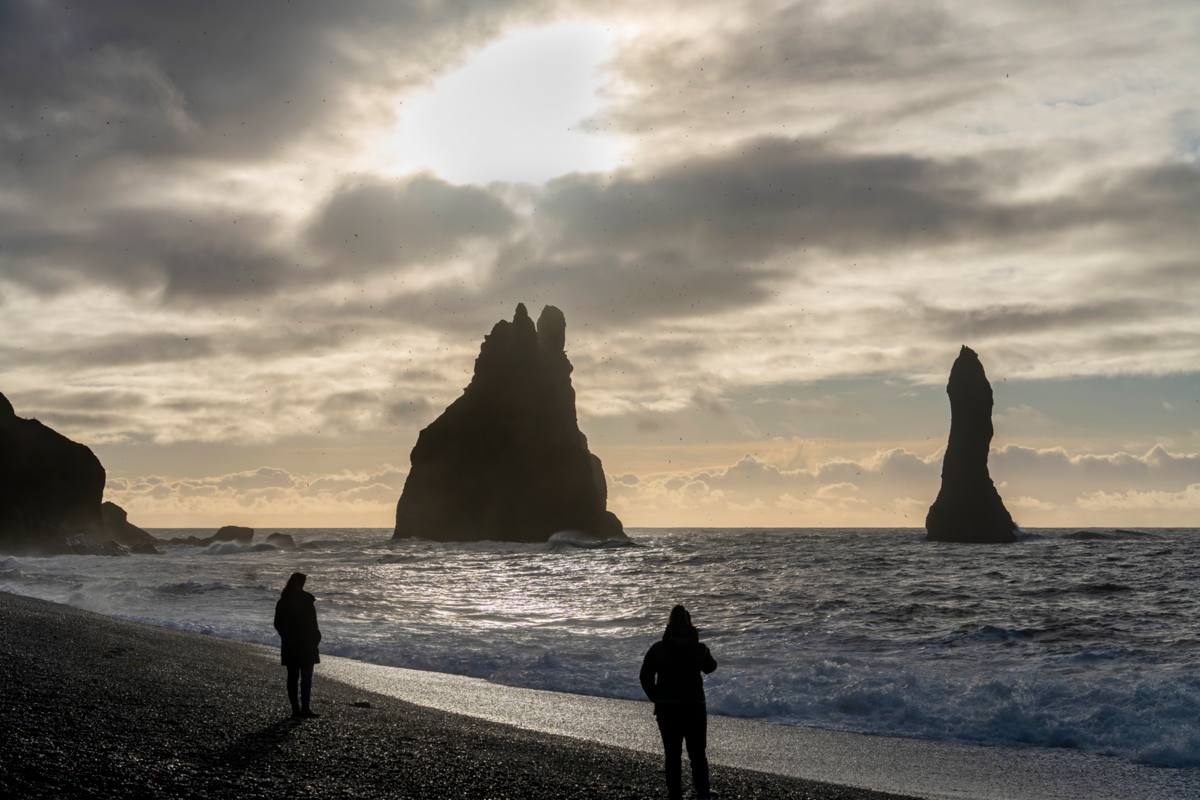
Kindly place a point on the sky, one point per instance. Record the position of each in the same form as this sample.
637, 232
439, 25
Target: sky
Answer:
249, 249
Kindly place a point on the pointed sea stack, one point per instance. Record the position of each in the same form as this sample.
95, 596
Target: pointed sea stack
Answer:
506, 460
968, 508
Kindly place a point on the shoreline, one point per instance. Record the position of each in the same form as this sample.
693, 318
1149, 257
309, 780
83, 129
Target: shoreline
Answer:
936, 770
750, 758
99, 706
230, 595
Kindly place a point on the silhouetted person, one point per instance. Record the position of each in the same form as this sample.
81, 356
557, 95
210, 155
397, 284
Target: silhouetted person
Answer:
296, 621
671, 677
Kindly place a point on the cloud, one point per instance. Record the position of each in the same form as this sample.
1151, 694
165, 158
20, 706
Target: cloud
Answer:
200, 242
261, 478
608, 289
1148, 504
371, 410
997, 320
83, 399
1027, 470
1021, 417
717, 232
775, 193
895, 487
265, 496
178, 255
760, 62
874, 71
216, 80
417, 220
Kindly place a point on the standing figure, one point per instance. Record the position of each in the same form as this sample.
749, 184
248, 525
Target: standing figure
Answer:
671, 677
296, 621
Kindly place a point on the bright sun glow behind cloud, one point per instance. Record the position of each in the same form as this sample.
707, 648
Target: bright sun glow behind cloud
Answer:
515, 111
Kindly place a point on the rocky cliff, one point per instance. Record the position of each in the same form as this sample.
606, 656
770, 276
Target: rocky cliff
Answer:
968, 508
506, 460
118, 528
50, 495
50, 487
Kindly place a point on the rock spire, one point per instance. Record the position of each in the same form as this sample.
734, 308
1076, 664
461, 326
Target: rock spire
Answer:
506, 460
968, 508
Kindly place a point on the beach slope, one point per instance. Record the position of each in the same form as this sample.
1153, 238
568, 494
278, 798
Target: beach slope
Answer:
98, 707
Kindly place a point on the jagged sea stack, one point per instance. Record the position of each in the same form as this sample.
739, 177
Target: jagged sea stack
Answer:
968, 508
506, 460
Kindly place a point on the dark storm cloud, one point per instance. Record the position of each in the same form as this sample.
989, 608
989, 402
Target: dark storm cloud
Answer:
122, 349
607, 288
774, 193
213, 84
988, 321
365, 409
712, 234
392, 223
1161, 200
167, 347
84, 82
1174, 278
80, 400
599, 290
67, 420
183, 255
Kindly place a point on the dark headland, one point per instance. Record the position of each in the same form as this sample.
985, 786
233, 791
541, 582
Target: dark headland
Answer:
506, 460
968, 508
51, 495
99, 707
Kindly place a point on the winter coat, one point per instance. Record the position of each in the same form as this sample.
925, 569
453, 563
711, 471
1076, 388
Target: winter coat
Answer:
671, 671
296, 621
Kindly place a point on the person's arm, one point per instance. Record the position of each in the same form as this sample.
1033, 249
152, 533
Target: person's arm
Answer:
708, 664
278, 618
312, 610
646, 676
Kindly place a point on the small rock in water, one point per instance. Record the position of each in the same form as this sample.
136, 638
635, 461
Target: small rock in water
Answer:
283, 541
361, 704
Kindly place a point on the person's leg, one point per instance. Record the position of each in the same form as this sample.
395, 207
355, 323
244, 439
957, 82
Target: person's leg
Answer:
306, 672
696, 733
293, 675
672, 738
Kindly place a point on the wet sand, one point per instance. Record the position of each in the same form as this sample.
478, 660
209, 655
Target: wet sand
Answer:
92, 706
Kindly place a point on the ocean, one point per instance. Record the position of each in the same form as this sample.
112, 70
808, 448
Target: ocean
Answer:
1057, 641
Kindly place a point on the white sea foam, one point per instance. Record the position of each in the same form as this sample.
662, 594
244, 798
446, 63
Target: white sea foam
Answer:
229, 548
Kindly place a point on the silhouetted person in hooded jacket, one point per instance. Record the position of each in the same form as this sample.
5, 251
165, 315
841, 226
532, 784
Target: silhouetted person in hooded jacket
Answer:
296, 621
671, 677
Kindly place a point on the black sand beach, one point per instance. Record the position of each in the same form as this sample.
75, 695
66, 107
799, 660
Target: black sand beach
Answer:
98, 707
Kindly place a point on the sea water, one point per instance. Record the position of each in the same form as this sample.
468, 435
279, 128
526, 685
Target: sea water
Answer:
1057, 641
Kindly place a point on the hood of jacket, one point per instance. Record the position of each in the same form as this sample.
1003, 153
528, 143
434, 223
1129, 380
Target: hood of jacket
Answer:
681, 634
297, 597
